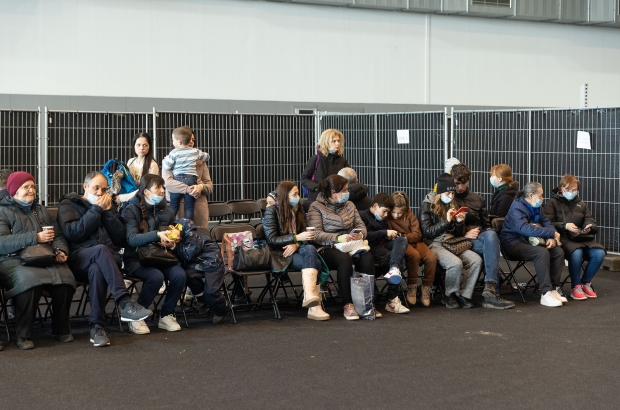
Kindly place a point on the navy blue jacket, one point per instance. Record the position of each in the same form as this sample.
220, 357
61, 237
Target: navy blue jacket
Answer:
518, 223
376, 230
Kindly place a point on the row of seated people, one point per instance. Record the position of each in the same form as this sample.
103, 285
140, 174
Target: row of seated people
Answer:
89, 232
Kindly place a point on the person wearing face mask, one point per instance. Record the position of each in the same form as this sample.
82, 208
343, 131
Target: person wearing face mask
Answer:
437, 220
573, 220
505, 190
21, 225
387, 247
96, 233
284, 224
548, 260
334, 217
327, 161
145, 216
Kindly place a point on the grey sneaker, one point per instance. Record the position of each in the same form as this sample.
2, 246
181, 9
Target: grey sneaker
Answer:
218, 319
130, 311
98, 336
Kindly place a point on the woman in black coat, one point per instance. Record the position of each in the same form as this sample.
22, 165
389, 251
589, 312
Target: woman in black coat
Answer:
147, 218
327, 161
505, 190
285, 229
573, 220
21, 225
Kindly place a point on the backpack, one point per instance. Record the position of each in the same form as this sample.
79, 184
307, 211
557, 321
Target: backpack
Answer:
304, 190
120, 180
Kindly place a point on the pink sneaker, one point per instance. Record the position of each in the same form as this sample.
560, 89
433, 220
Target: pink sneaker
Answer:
587, 289
577, 293
349, 312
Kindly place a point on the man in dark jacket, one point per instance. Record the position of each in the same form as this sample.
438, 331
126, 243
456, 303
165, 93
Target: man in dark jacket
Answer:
478, 229
4, 176
387, 247
358, 193
96, 233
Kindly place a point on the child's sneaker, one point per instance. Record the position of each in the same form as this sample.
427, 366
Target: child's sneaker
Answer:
587, 289
350, 313
412, 292
393, 276
577, 293
395, 306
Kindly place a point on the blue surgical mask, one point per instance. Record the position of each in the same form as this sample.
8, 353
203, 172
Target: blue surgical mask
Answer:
493, 183
537, 204
154, 200
378, 218
569, 195
91, 198
446, 199
344, 198
22, 203
293, 202
332, 151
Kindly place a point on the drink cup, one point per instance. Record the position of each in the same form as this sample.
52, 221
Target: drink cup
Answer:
47, 228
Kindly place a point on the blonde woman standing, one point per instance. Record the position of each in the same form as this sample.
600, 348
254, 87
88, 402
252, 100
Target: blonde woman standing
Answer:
327, 161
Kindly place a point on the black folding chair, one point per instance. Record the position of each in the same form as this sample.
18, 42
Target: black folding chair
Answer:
219, 210
5, 312
247, 209
509, 276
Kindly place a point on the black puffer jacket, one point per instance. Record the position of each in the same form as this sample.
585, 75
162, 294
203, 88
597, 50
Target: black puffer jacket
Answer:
560, 211
85, 225
18, 229
502, 199
477, 214
271, 227
326, 166
158, 217
432, 226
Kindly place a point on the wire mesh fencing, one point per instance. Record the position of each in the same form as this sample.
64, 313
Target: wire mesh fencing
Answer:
541, 146
81, 142
19, 143
373, 150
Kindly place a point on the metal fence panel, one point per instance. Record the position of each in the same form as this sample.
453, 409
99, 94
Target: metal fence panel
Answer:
217, 134
19, 142
275, 148
81, 142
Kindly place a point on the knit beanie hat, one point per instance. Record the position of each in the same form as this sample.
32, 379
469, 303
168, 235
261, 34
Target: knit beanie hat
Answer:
445, 183
16, 180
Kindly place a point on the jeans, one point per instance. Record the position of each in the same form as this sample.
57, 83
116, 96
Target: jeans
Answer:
594, 256
547, 262
342, 263
188, 200
391, 253
153, 279
305, 258
461, 271
100, 268
487, 246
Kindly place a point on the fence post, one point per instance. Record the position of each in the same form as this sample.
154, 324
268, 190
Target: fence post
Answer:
43, 146
376, 156
154, 148
40, 158
450, 142
529, 147
241, 152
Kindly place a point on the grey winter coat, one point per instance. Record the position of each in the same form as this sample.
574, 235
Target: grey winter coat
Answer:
18, 229
331, 220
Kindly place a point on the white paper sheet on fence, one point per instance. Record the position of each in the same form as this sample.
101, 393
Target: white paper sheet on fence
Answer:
583, 140
402, 136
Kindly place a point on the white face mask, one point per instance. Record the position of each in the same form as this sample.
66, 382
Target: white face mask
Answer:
154, 199
92, 198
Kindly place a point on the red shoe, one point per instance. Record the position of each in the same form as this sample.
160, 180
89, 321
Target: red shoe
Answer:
577, 293
587, 289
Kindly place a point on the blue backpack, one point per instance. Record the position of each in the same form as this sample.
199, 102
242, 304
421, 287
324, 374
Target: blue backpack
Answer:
120, 180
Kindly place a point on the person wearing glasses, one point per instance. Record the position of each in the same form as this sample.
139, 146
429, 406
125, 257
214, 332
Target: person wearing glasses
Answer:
24, 223
96, 233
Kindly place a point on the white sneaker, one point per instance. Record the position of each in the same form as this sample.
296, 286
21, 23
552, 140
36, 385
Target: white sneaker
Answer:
162, 289
548, 299
378, 314
393, 276
139, 327
169, 323
559, 296
395, 306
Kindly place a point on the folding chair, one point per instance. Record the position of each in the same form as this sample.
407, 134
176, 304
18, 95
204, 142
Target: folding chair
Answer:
244, 209
509, 276
262, 203
238, 276
5, 312
219, 210
379, 272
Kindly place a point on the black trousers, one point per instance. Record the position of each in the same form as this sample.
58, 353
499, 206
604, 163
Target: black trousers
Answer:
26, 305
343, 264
547, 262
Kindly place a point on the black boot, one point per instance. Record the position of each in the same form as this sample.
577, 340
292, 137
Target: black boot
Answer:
464, 302
491, 300
451, 302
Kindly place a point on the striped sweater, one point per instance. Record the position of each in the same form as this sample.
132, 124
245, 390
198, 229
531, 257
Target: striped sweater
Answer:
331, 220
182, 161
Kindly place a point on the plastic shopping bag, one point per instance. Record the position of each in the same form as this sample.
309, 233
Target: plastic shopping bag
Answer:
362, 293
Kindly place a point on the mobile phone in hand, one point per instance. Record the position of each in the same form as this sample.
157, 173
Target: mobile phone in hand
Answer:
353, 231
460, 210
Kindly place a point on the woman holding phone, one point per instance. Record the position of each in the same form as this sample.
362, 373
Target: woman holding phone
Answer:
288, 239
574, 221
336, 220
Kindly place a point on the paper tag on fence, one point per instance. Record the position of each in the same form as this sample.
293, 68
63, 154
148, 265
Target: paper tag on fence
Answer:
583, 140
402, 136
